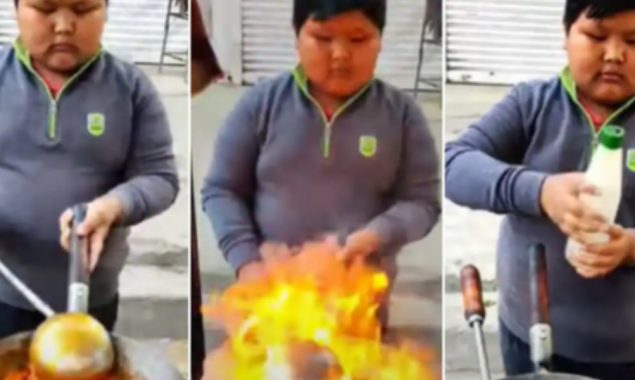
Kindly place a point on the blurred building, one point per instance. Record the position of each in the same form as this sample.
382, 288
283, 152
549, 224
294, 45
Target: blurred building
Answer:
504, 41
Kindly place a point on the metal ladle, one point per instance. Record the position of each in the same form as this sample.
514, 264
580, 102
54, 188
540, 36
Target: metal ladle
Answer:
72, 345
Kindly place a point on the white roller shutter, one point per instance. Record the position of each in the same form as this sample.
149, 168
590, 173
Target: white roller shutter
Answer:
134, 29
267, 42
504, 41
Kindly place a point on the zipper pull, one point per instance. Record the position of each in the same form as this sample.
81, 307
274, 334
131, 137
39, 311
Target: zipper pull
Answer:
52, 119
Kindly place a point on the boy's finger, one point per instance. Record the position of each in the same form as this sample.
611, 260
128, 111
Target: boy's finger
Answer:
65, 219
65, 239
273, 251
591, 215
616, 232
570, 225
585, 271
575, 225
589, 273
97, 240
586, 188
592, 261
573, 206
92, 222
612, 247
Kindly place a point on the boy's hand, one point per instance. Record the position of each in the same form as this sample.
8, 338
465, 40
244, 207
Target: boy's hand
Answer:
598, 260
101, 214
560, 200
362, 243
270, 253
252, 271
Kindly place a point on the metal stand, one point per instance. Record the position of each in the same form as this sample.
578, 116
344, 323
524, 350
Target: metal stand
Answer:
433, 20
177, 9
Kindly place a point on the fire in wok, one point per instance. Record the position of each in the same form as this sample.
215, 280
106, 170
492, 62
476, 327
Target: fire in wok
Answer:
312, 317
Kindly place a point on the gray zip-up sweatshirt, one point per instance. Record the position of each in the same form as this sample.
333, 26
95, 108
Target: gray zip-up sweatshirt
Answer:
281, 172
105, 132
499, 165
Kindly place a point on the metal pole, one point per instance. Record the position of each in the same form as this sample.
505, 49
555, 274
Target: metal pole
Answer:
35, 300
198, 332
476, 322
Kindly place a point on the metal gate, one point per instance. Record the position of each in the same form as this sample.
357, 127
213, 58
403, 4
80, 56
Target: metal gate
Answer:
504, 41
134, 30
267, 42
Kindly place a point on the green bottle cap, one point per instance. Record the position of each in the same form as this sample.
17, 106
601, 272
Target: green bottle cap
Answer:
611, 137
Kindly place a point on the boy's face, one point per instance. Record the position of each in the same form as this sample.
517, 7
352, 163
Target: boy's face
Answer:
339, 55
61, 34
602, 57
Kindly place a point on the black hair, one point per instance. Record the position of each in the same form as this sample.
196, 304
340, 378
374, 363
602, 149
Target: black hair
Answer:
16, 2
594, 9
322, 10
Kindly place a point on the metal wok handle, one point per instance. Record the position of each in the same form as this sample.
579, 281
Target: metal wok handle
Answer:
540, 332
474, 311
79, 274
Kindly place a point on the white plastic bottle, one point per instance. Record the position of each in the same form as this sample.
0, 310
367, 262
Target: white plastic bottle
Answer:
605, 173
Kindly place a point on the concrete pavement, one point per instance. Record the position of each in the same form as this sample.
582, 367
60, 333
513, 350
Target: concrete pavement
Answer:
154, 286
416, 306
470, 238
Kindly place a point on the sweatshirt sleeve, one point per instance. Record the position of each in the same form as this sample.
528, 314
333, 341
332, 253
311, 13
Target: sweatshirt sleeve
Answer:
483, 167
229, 186
416, 205
151, 180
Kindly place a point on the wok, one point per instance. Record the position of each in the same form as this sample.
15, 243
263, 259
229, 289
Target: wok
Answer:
540, 332
133, 360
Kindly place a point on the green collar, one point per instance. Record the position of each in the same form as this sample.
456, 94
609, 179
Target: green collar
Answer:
23, 56
570, 86
302, 81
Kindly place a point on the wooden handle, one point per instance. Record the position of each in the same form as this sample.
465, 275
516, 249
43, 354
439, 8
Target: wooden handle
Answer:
472, 291
538, 285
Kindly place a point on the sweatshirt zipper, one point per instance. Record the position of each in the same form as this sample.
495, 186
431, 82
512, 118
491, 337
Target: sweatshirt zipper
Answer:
572, 91
326, 137
328, 125
51, 130
302, 83
614, 115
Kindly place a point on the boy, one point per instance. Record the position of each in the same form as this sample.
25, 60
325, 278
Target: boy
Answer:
77, 125
324, 149
525, 158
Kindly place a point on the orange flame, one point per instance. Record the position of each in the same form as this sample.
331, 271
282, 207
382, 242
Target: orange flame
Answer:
311, 305
27, 374
19, 375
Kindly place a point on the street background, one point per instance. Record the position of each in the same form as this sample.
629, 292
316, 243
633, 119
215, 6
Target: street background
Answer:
154, 286
490, 45
470, 238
